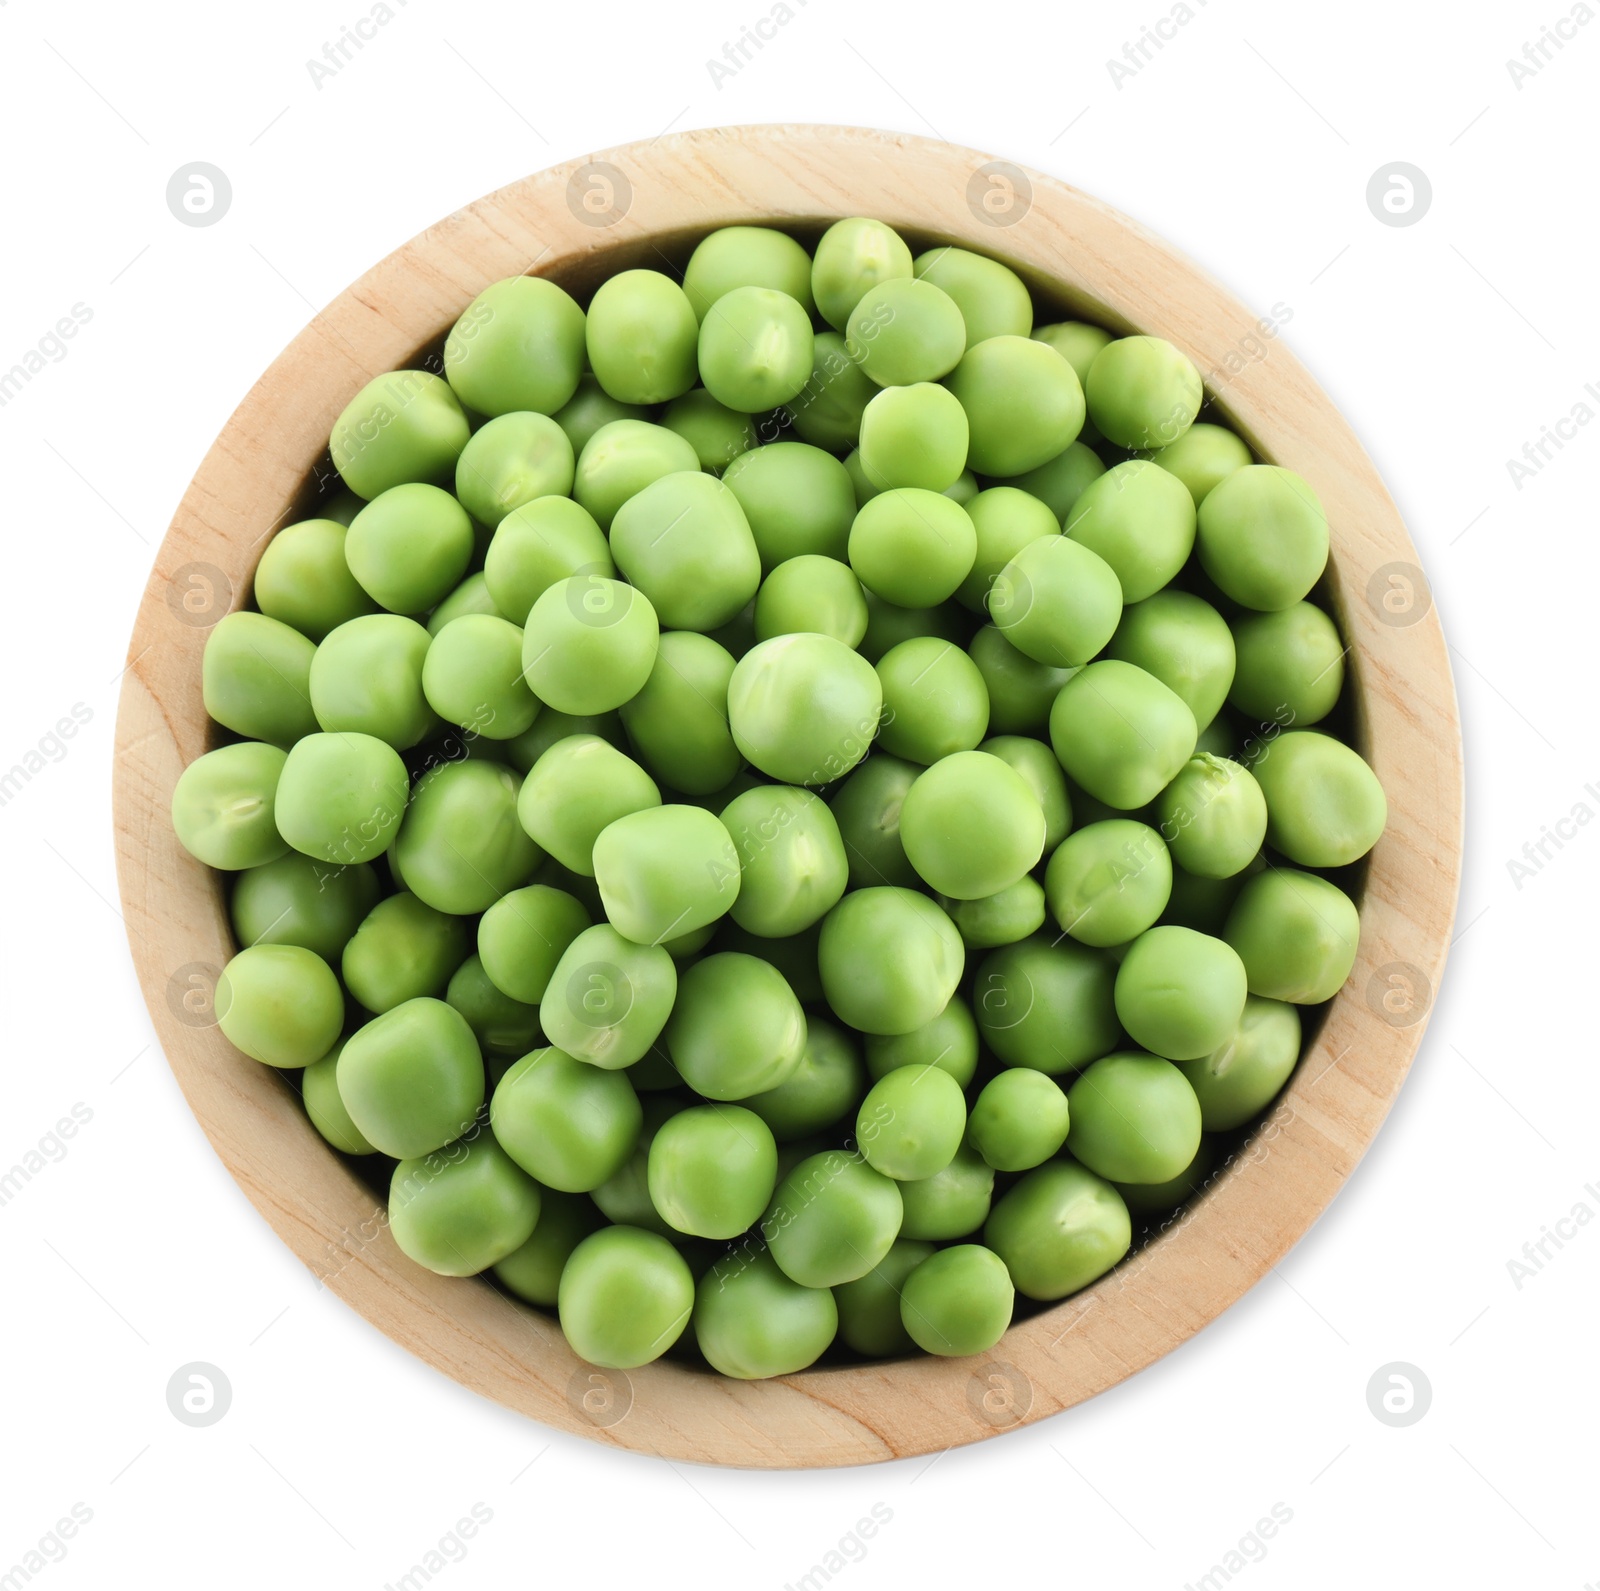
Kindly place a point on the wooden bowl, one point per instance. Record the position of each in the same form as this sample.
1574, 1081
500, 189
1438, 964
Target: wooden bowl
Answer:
639, 205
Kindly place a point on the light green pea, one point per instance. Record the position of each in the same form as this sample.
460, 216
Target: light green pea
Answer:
1019, 1120
471, 596
403, 950
904, 331
412, 1079
712, 1169
914, 436
934, 700
1120, 733
959, 1301
1022, 402
1263, 537
890, 960
678, 723
255, 678
472, 676
1057, 601
1179, 994
1021, 691
1134, 1118
518, 345
791, 856
304, 581
911, 1122
409, 547
640, 335
1076, 341
1185, 643
752, 1321
1141, 520
814, 595
1061, 481
280, 1004
972, 825
852, 257
736, 1029
622, 458
1143, 392
523, 936
991, 297
405, 425
608, 998
460, 846
1203, 457
664, 871
1325, 807
822, 1089
1213, 816
1047, 1005
366, 677
1003, 918
589, 644
1290, 665
341, 797
459, 1211
1006, 520
912, 547
551, 726
827, 411
755, 348
574, 790
948, 1040
1242, 1076
511, 461
625, 1297
1109, 881
538, 544
797, 500
832, 1219
1060, 1228
951, 1203
566, 1123
747, 256
319, 1088
222, 806
1037, 764
717, 434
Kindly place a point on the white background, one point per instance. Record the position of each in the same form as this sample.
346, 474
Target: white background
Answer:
1248, 141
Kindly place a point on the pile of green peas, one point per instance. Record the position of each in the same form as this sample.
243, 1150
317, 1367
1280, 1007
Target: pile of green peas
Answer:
788, 806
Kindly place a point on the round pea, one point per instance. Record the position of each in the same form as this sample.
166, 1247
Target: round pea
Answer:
1204, 903
471, 596
625, 1297
1185, 643
409, 547
591, 407
804, 708
664, 871
533, 1271
712, 1169
574, 791
904, 331
505, 1028
589, 644
914, 436
1022, 400
1240, 1078
867, 807
1003, 918
752, 1321
1076, 341
1060, 1228
912, 547
608, 998
822, 1089
1152, 1198
1141, 520
550, 727
755, 348
1019, 1120
796, 498
1120, 733
1057, 601
1061, 481
814, 595
566, 1123
869, 1307
341, 797
1143, 392
1134, 1118
1037, 764
405, 425
827, 410
832, 1219
736, 1029
304, 581
852, 258
460, 1211
1263, 537
1021, 691
255, 678
948, 1041
1290, 665
518, 346
889, 625
991, 297
367, 677
538, 544
717, 434
401, 950
1109, 881
1006, 520
1325, 807
890, 960
746, 256
1047, 1006
1214, 817
222, 806
280, 1004
523, 936
951, 1203
1179, 994
795, 958
1203, 457
294, 900
460, 846
792, 859
972, 825
319, 1087
911, 1122
958, 1301
640, 334
511, 461
472, 675
624, 457
934, 701
412, 1079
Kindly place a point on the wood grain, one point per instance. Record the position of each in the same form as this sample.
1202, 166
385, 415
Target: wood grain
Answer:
1084, 255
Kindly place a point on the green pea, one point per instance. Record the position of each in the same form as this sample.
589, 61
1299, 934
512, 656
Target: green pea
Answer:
303, 580
951, 1203
797, 500
755, 348
255, 678
1060, 1228
1263, 537
1180, 994
1061, 481
811, 594
1221, 737
1003, 918
911, 1122
1142, 392
518, 345
505, 1028
712, 1169
746, 256
472, 675
832, 1219
1291, 665
341, 797
792, 859
297, 901
1153, 1198
1141, 520
342, 507
402, 950
578, 787
664, 871
569, 1124
319, 1087
751, 1321
1006, 520
867, 806
625, 1297
533, 1272
1242, 1076
959, 1301
914, 436
912, 547
821, 1090
409, 547
591, 407
1203, 457
624, 457
608, 998
903, 332
1019, 1121
860, 483
869, 1307
1120, 733
736, 1029
678, 723
972, 825
1056, 601
851, 259
1134, 1118
412, 1078
1185, 643
795, 957
1022, 402
1109, 881
550, 727
1214, 817
1325, 807
804, 708
991, 297
1021, 691
1038, 766
367, 677
890, 960
934, 701
459, 1211
460, 846
589, 644
523, 936
405, 425
640, 335
222, 806
1204, 903
471, 596
948, 1040
1047, 1006
827, 410
889, 625
538, 544
510, 462
1076, 341
717, 434
280, 1004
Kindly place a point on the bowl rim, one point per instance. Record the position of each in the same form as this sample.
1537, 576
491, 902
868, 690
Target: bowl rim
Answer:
579, 220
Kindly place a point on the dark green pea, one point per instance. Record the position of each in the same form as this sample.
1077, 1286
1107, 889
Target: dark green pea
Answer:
608, 998
569, 1124
1037, 764
1179, 994
751, 1321
866, 806
827, 410
533, 1272
1006, 521
678, 721
820, 1091
1048, 1006
591, 407
991, 297
1203, 457
793, 867
412, 1078
869, 1307
550, 727
934, 700
1061, 481
256, 678
1021, 691
1009, 915
736, 1028
1185, 643
888, 626
1019, 1120
717, 434
504, 1028
304, 581
405, 425
296, 900
959, 1301
403, 949
319, 1088
459, 1211
951, 1203
890, 960
832, 1219
574, 790
1060, 1228
1291, 665
1242, 1076
523, 936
